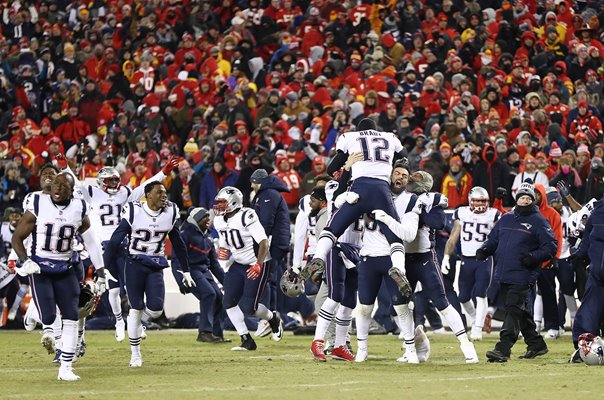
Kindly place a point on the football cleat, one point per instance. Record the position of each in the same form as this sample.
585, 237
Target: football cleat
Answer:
276, 325
247, 344
487, 324
264, 328
120, 330
469, 352
144, 333
66, 374
401, 281
28, 321
552, 334
317, 350
409, 357
342, 353
316, 266
476, 334
48, 342
136, 361
422, 344
362, 354
57, 358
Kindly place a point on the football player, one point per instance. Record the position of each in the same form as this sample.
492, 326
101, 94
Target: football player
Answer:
240, 232
147, 225
473, 224
421, 261
11, 217
107, 201
371, 183
54, 220
375, 264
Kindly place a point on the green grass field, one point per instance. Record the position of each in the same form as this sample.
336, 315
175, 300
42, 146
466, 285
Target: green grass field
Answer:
177, 367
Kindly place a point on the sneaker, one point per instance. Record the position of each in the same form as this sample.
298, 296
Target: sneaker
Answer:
317, 348
136, 361
120, 330
207, 337
247, 344
342, 353
530, 354
552, 334
144, 333
67, 374
487, 324
575, 358
316, 266
28, 321
469, 352
409, 357
264, 328
48, 342
476, 334
422, 344
57, 359
497, 356
401, 281
276, 325
362, 353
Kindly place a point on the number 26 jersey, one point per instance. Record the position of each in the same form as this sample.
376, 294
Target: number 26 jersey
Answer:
241, 234
475, 228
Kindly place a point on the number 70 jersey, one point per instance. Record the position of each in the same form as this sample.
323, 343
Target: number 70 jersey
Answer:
475, 228
378, 150
241, 234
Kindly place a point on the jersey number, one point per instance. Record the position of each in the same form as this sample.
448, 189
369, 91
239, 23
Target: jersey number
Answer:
479, 234
63, 242
373, 151
108, 217
145, 236
233, 238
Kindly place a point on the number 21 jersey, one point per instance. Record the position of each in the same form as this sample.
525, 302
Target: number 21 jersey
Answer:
475, 228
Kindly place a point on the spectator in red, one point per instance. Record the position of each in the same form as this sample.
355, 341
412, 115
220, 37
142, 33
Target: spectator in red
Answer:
140, 173
72, 130
93, 164
16, 147
587, 123
37, 144
290, 178
186, 186
319, 167
149, 156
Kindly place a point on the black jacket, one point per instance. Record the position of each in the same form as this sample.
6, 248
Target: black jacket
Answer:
273, 213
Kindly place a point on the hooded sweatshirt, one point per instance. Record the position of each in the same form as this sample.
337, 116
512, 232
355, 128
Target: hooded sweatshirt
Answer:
553, 217
490, 174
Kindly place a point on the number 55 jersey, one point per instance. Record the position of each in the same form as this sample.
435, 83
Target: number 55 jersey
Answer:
475, 228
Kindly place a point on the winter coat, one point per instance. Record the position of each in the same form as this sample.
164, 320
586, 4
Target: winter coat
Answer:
490, 174
202, 255
273, 213
592, 245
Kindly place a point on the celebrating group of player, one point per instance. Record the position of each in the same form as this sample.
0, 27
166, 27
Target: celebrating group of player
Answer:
375, 223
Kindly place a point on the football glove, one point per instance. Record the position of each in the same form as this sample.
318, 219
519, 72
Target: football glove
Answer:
528, 261
61, 161
346, 197
563, 189
170, 165
296, 269
12, 264
481, 254
29, 267
445, 266
100, 286
500, 193
223, 254
381, 216
253, 272
187, 281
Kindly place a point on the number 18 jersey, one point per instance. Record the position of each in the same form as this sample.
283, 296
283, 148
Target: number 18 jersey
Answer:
378, 149
475, 228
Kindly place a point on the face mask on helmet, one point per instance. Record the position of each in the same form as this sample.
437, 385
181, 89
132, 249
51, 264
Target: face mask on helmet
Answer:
229, 199
591, 349
109, 180
291, 284
478, 200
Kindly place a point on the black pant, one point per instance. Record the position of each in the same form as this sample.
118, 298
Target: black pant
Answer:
547, 289
517, 319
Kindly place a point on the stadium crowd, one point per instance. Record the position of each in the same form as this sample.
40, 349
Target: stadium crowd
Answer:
480, 92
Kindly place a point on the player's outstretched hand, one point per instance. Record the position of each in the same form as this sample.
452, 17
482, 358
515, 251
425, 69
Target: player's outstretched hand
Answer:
563, 189
296, 269
445, 266
101, 285
61, 161
187, 281
223, 254
170, 165
253, 272
29, 267
500, 193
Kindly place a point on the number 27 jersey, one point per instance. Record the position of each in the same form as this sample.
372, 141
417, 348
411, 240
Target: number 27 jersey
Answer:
149, 228
475, 228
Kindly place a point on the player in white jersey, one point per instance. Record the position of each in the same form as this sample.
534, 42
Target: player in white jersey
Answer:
473, 224
53, 221
375, 264
371, 185
242, 239
106, 202
147, 224
11, 218
421, 260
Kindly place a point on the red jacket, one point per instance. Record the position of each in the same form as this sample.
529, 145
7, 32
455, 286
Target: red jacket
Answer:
552, 216
73, 130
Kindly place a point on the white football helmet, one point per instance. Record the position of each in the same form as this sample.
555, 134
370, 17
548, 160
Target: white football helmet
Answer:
229, 199
591, 349
291, 284
478, 198
88, 298
109, 180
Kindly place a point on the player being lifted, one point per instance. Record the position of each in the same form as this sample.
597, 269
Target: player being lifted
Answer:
53, 220
371, 183
242, 235
107, 201
147, 224
473, 224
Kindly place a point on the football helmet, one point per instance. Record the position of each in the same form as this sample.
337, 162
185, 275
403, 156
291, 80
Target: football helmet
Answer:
291, 284
109, 180
591, 349
88, 298
478, 198
229, 199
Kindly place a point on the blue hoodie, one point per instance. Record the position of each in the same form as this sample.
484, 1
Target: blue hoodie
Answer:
202, 255
592, 245
515, 235
272, 212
